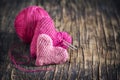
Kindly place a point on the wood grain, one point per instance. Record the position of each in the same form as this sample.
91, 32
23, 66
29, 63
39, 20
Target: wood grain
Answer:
94, 26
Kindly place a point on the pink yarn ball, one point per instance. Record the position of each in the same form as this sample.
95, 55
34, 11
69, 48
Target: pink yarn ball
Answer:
26, 20
32, 21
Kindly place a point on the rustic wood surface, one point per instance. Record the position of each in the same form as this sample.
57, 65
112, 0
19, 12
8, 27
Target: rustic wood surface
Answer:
95, 27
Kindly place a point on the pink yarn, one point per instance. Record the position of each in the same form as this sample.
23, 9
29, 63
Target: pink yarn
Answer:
34, 25
17, 64
33, 21
47, 53
26, 20
46, 26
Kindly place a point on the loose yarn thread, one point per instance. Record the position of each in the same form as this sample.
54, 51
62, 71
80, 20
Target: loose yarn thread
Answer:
17, 64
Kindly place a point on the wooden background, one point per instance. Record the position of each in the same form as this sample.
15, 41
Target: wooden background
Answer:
95, 27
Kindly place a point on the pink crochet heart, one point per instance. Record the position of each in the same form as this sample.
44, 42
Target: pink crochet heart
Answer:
47, 53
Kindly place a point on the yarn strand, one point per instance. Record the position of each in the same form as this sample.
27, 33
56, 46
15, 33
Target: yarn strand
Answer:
17, 65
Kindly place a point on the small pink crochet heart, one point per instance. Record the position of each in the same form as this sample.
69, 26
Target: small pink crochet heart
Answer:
47, 53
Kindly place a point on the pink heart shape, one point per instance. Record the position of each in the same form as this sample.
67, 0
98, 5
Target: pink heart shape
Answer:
47, 53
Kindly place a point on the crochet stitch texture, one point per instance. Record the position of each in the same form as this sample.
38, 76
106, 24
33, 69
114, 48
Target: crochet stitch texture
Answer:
47, 53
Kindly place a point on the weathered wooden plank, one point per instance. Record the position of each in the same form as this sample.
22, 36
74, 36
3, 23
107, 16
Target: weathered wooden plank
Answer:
101, 43
94, 26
